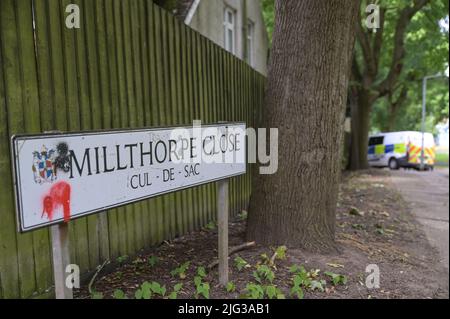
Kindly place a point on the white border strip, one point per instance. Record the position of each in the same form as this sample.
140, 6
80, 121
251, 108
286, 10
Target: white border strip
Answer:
191, 12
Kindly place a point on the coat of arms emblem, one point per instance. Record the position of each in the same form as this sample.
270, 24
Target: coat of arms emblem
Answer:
44, 168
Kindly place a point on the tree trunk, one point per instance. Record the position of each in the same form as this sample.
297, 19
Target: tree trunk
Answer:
305, 99
360, 108
392, 118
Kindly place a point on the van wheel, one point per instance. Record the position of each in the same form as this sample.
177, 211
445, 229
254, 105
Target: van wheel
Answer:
393, 164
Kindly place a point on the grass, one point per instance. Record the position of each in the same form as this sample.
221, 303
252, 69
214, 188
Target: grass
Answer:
442, 159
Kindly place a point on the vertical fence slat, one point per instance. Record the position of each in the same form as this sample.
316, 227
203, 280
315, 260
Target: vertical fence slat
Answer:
202, 103
109, 59
181, 210
123, 107
210, 115
130, 108
174, 197
139, 110
154, 204
166, 112
160, 108
143, 20
9, 95
80, 226
17, 104
186, 202
33, 114
195, 109
104, 109
90, 43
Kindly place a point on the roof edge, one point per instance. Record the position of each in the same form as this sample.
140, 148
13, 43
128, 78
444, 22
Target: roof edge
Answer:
191, 12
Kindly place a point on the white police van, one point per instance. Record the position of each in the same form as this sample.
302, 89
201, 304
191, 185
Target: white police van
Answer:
401, 149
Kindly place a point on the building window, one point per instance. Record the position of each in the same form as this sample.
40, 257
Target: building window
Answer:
229, 30
250, 42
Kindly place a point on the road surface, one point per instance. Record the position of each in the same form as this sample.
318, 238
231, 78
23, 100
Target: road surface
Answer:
428, 195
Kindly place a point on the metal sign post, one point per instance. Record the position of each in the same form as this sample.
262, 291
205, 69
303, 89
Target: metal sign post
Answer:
424, 114
61, 258
223, 210
60, 254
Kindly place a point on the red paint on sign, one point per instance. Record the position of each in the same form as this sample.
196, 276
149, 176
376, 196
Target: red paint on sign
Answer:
59, 196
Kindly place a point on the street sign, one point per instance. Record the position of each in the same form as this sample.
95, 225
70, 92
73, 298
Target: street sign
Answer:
60, 177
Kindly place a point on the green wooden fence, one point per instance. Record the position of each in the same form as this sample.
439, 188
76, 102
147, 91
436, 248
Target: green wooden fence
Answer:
130, 64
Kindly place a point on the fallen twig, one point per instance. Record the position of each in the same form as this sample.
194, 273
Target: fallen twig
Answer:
99, 268
272, 260
232, 251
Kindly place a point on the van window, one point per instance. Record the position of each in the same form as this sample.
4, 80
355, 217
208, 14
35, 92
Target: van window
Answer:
378, 140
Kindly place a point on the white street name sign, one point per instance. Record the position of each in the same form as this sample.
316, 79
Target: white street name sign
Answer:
60, 177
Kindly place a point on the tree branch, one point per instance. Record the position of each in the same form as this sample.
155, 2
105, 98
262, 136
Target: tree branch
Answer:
356, 72
232, 251
378, 40
364, 42
395, 105
399, 46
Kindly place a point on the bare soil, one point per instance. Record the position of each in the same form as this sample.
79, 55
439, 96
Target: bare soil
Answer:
374, 225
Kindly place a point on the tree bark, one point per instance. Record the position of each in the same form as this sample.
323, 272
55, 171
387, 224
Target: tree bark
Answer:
360, 114
305, 99
395, 106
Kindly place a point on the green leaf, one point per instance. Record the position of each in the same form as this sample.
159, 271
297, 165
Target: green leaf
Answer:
178, 287
336, 278
119, 294
173, 295
264, 272
265, 259
297, 292
240, 263
254, 291
317, 285
298, 280
152, 261
181, 271
97, 295
271, 291
203, 290
297, 269
211, 226
122, 259
197, 280
281, 252
138, 294
156, 288
243, 215
144, 292
201, 272
230, 287
256, 276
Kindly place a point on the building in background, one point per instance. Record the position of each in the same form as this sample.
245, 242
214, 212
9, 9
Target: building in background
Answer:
236, 25
442, 138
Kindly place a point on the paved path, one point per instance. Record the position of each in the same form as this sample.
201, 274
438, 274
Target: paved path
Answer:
428, 195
